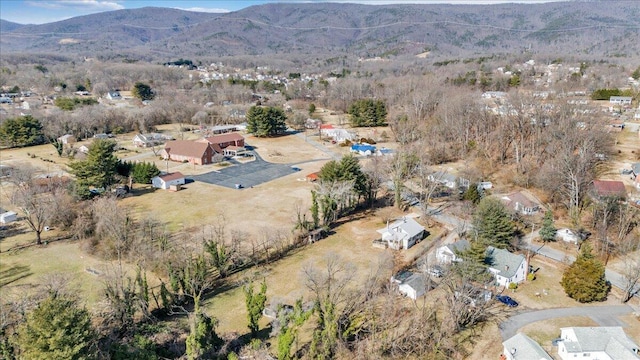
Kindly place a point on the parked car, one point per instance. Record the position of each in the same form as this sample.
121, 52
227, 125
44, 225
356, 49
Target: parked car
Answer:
626, 171
507, 300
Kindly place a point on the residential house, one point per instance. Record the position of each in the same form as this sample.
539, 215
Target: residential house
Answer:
521, 202
166, 181
149, 140
67, 139
101, 136
237, 114
506, 267
410, 284
114, 95
414, 287
609, 188
402, 234
195, 152
449, 253
222, 129
337, 134
620, 100
363, 149
567, 235
312, 123
602, 343
234, 142
522, 347
7, 216
444, 178
83, 149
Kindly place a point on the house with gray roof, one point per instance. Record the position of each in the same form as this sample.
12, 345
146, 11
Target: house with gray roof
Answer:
603, 343
444, 178
410, 284
449, 253
506, 267
402, 234
522, 347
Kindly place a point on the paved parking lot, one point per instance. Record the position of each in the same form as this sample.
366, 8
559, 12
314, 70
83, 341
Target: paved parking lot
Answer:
248, 174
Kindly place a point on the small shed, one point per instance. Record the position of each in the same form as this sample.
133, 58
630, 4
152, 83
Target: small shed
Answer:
170, 181
7, 217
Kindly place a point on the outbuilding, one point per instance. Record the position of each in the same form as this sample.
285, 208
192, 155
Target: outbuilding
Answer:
167, 181
7, 217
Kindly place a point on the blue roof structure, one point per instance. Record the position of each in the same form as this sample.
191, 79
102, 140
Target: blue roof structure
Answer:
362, 148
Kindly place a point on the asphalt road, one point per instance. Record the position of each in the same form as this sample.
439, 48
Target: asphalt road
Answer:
247, 174
603, 315
616, 279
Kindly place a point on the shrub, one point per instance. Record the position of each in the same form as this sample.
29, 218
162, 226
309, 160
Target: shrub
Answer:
531, 277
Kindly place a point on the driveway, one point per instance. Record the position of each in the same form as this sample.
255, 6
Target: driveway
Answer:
603, 315
246, 174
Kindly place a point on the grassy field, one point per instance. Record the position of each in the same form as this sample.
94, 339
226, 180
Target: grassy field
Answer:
285, 279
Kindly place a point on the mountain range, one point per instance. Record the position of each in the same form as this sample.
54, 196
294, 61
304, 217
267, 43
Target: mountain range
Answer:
584, 28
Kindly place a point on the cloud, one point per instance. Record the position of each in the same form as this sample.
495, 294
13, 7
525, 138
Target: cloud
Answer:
92, 5
207, 10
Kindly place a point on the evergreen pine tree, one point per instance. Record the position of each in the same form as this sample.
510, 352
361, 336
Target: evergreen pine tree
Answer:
548, 231
255, 305
493, 223
584, 280
57, 329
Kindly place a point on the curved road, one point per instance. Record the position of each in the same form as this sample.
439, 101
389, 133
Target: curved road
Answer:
603, 315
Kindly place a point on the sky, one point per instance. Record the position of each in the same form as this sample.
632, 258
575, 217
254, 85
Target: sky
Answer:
44, 11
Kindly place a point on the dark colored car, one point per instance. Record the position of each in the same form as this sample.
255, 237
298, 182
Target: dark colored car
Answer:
507, 300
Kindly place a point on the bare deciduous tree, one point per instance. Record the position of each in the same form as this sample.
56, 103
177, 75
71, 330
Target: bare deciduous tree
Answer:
631, 277
35, 198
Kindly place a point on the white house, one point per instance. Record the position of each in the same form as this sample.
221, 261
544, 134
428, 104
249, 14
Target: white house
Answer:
506, 267
444, 178
7, 217
149, 140
337, 134
402, 234
522, 347
448, 254
601, 343
167, 180
411, 285
620, 100
567, 235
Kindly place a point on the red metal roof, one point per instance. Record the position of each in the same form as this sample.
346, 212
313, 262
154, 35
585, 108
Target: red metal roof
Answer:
171, 176
187, 148
609, 188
